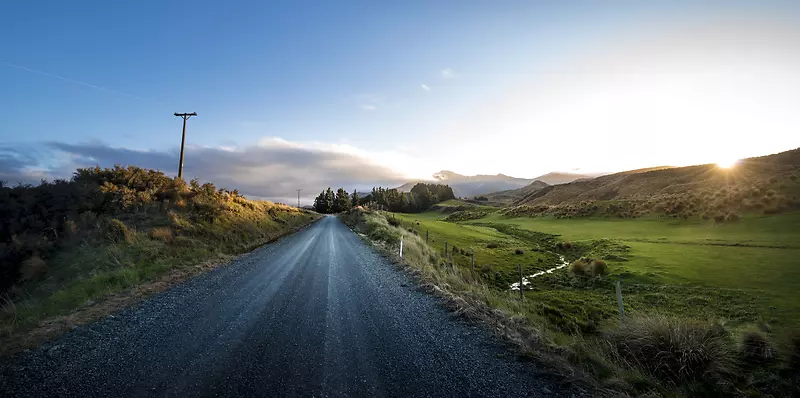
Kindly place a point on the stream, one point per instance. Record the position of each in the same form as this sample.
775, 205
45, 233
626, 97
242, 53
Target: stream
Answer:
526, 279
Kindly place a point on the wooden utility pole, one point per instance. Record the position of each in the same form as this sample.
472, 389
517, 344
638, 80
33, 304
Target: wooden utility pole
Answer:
298, 197
183, 138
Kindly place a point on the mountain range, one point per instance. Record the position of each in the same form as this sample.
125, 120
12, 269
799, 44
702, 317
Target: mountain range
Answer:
482, 184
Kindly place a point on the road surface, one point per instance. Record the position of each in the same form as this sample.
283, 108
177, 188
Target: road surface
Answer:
318, 313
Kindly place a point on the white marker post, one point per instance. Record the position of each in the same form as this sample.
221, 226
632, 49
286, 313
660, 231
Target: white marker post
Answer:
401, 247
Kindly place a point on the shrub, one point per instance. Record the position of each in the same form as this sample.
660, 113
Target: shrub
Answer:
161, 233
393, 222
599, 267
732, 217
518, 251
115, 231
674, 350
564, 245
755, 348
588, 267
33, 269
493, 245
578, 267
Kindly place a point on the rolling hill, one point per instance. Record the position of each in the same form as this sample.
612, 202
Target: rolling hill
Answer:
511, 195
764, 184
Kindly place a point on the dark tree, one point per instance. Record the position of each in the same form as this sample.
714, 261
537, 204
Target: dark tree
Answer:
342, 202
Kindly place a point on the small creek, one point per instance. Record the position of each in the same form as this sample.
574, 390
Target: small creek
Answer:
526, 279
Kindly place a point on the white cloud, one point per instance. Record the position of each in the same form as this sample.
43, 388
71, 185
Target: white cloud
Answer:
368, 107
425, 87
448, 73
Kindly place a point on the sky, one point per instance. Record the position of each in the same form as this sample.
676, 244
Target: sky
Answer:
307, 95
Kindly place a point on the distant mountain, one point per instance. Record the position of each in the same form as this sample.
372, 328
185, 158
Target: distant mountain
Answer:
555, 178
483, 184
469, 186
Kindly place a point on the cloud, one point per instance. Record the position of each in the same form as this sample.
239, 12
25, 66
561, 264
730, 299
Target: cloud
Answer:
369, 101
425, 87
448, 73
272, 169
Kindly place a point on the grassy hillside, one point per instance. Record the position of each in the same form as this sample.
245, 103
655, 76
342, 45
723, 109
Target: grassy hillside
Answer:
677, 275
764, 185
512, 195
67, 245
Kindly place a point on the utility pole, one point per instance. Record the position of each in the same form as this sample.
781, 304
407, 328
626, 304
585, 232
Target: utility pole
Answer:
183, 139
298, 197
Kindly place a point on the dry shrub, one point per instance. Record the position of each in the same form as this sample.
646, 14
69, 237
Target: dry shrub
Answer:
588, 267
161, 233
578, 267
115, 231
674, 350
33, 269
756, 348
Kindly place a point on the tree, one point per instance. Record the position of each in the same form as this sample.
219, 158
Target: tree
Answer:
330, 199
355, 198
320, 204
342, 202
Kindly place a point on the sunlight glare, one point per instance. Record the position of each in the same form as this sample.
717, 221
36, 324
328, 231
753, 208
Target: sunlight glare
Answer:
728, 163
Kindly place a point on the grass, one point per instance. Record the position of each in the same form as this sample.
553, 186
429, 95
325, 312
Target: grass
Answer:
86, 274
691, 305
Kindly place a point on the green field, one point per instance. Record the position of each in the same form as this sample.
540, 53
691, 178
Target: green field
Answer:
742, 273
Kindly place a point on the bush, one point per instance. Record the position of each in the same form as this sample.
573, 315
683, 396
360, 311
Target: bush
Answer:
393, 222
564, 246
161, 233
673, 350
33, 269
518, 251
755, 348
493, 245
588, 267
115, 231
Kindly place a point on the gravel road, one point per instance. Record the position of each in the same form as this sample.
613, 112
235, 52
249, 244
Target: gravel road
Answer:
318, 313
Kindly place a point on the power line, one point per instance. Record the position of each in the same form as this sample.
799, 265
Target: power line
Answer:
185, 116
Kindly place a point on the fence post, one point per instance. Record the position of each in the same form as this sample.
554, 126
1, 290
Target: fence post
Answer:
426, 237
445, 249
473, 263
521, 286
401, 247
619, 302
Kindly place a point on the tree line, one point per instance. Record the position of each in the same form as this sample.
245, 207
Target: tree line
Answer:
421, 197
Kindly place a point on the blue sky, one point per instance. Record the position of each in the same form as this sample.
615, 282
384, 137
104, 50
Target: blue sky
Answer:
409, 88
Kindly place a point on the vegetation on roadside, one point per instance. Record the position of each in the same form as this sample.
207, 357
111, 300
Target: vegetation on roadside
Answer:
68, 244
678, 339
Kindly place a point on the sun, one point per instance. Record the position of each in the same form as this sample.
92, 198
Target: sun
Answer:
727, 163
